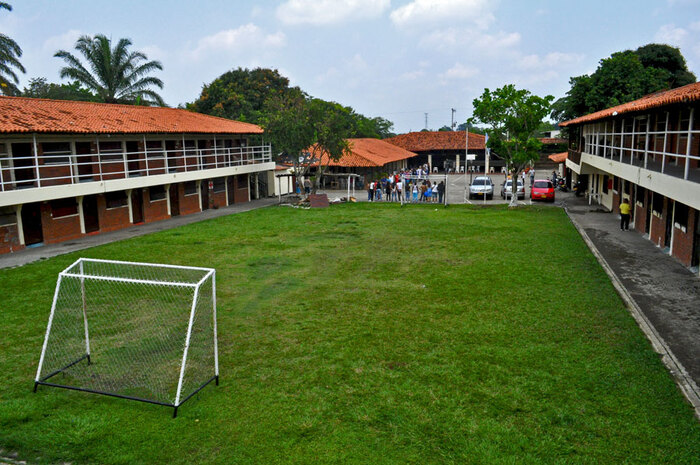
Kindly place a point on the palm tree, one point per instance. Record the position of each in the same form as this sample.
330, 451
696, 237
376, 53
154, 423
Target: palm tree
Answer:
118, 75
9, 58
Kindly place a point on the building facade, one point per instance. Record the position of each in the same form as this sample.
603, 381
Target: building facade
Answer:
646, 151
445, 150
68, 169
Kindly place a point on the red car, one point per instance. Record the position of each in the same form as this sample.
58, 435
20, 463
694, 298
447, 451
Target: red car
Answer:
542, 189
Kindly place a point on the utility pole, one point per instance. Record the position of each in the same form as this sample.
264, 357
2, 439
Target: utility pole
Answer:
426, 121
453, 119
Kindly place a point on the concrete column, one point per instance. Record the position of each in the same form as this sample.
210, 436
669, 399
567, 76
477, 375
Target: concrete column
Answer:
167, 198
20, 225
81, 214
131, 206
430, 162
457, 164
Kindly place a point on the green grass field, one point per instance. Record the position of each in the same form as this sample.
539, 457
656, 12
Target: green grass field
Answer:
372, 334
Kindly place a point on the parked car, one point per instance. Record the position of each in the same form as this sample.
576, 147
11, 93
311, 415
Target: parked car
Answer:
507, 189
481, 186
542, 189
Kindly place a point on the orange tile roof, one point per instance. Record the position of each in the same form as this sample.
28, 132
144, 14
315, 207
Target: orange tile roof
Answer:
559, 157
553, 140
438, 140
689, 93
369, 153
22, 115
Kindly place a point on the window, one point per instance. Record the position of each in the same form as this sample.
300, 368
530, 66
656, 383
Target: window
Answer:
242, 181
154, 149
7, 216
116, 199
641, 194
64, 207
157, 193
4, 158
681, 215
628, 187
190, 188
56, 153
605, 184
111, 150
657, 203
219, 184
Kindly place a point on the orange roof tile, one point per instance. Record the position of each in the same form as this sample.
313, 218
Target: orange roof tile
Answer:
369, 153
553, 140
689, 93
22, 115
559, 157
438, 140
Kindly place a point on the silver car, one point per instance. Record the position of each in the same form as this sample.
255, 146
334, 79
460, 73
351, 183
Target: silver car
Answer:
507, 189
481, 186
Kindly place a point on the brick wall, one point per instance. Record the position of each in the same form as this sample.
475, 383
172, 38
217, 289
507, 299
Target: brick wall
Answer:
219, 198
154, 211
683, 241
112, 219
9, 239
58, 229
658, 226
240, 186
188, 203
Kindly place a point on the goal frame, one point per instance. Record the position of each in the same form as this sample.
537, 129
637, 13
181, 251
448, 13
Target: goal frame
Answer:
40, 380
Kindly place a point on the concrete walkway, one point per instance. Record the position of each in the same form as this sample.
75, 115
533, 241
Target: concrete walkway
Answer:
40, 253
662, 295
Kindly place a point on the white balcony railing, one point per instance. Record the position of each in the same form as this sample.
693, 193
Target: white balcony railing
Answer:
66, 168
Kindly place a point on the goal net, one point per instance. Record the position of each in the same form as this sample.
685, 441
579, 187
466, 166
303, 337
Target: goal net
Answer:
139, 331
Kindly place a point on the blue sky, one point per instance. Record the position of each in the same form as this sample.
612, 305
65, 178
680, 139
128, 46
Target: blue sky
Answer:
398, 59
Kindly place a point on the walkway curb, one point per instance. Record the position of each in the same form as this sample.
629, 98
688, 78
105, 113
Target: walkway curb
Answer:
680, 375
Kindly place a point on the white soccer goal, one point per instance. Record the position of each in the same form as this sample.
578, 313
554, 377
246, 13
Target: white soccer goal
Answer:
138, 331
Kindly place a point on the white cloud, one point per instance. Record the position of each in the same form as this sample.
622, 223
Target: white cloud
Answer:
240, 40
460, 71
669, 34
320, 12
65, 41
454, 39
477, 12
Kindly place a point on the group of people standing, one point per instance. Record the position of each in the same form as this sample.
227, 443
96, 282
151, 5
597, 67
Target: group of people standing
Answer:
398, 188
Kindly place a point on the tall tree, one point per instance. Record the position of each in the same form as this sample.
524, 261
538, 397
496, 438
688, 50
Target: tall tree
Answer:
10, 53
514, 117
115, 75
240, 94
623, 77
308, 131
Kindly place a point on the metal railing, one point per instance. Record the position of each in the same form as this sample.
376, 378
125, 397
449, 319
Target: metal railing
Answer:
670, 152
66, 168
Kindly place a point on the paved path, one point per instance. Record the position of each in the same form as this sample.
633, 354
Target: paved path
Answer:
40, 253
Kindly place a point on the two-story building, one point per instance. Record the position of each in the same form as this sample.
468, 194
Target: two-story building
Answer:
68, 168
647, 151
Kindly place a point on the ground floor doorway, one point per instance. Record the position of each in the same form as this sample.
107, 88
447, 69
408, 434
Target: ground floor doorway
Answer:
90, 215
31, 224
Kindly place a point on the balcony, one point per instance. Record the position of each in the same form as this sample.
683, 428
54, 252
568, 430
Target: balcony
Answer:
62, 169
676, 165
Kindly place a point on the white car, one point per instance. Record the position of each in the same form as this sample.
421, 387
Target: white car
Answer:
507, 189
481, 186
